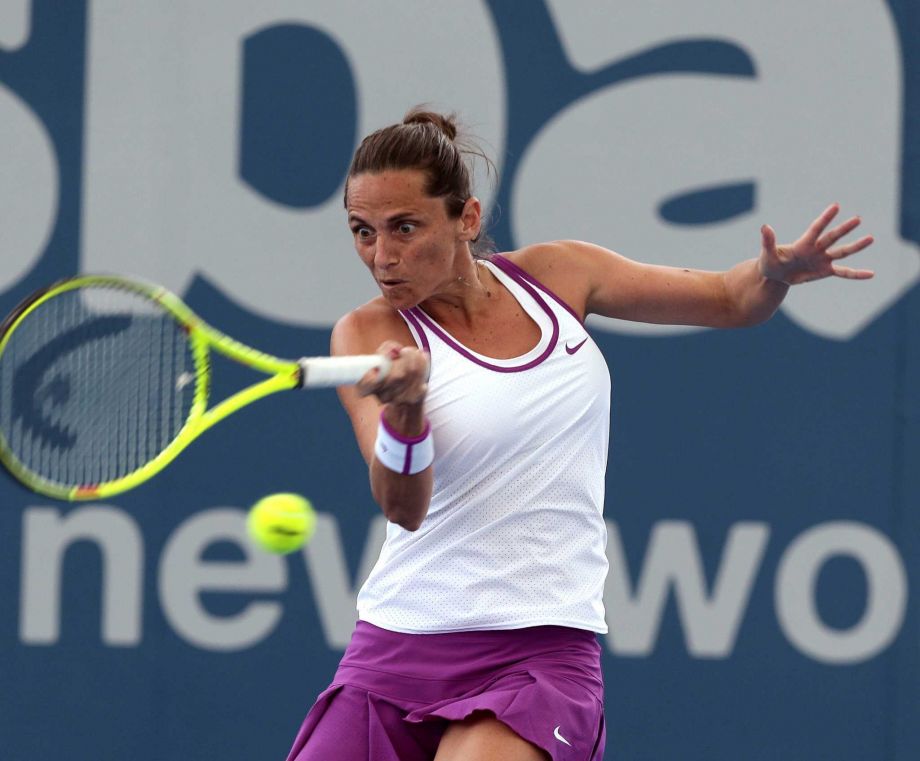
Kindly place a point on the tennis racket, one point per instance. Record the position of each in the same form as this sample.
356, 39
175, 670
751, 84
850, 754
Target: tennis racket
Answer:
104, 380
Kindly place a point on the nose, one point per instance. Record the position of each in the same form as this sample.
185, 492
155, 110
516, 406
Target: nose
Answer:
385, 254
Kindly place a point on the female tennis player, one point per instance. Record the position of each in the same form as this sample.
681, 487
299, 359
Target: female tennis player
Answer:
487, 446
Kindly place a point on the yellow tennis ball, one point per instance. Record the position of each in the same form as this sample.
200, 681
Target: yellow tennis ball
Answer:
281, 523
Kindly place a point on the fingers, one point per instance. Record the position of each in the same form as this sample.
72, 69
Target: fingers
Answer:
817, 227
813, 256
407, 379
768, 239
388, 349
830, 238
852, 274
851, 248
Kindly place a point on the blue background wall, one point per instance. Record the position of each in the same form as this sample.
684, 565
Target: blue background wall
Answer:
780, 457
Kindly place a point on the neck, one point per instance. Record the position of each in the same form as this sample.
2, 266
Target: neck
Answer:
472, 291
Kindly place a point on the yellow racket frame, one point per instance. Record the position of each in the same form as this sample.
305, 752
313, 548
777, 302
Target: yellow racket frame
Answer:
285, 375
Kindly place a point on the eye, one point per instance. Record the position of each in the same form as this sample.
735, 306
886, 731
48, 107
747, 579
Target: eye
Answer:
362, 232
406, 228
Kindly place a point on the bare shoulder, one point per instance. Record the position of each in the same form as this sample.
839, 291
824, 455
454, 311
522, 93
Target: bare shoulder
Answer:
362, 330
566, 267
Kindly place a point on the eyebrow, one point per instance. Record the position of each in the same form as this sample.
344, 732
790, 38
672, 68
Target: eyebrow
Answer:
352, 217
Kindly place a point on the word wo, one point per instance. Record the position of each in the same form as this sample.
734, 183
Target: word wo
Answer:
710, 616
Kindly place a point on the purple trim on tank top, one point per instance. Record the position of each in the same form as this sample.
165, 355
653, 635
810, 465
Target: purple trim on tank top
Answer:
512, 269
420, 331
463, 351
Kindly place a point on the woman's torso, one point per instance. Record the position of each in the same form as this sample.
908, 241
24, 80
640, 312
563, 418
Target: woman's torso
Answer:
514, 535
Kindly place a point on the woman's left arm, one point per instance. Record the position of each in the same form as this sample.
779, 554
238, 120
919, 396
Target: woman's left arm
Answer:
747, 294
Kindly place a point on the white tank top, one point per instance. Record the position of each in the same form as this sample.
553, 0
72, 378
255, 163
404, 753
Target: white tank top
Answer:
515, 534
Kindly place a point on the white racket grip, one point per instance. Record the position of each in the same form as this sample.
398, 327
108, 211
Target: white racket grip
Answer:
322, 372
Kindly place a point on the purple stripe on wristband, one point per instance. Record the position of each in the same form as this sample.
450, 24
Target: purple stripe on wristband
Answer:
401, 437
407, 464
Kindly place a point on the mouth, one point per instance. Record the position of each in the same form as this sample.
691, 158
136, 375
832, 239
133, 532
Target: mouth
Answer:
390, 282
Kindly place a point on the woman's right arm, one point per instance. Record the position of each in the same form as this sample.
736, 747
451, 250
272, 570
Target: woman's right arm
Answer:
399, 398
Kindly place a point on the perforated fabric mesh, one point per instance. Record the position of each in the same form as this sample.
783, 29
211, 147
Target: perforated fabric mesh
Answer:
515, 534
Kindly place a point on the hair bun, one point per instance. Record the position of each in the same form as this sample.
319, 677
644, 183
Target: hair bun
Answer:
447, 123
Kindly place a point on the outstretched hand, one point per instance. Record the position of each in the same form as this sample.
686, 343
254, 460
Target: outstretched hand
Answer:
812, 257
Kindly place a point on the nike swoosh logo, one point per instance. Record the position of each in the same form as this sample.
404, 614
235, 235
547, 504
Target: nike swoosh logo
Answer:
556, 734
576, 347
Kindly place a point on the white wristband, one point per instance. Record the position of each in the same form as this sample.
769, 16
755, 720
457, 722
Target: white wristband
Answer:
403, 454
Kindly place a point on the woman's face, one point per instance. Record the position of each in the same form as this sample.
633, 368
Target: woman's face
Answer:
405, 237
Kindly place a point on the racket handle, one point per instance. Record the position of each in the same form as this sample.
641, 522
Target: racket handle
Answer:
319, 372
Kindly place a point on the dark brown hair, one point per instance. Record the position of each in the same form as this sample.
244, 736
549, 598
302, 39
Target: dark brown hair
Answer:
427, 141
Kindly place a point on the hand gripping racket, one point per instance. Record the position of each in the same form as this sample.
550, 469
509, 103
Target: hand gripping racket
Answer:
105, 380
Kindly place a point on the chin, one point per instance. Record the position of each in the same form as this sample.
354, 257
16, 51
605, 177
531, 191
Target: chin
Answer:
400, 300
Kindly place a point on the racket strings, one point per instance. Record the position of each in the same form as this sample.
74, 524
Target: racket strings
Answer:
94, 383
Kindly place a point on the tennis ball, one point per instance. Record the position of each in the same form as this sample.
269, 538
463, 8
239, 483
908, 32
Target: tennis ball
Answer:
281, 523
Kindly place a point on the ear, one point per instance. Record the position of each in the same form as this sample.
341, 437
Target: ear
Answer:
470, 221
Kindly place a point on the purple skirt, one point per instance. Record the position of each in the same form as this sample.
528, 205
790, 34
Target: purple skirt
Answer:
394, 694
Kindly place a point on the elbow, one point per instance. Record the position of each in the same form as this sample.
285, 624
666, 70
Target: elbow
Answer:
409, 525
409, 520
403, 499
406, 510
